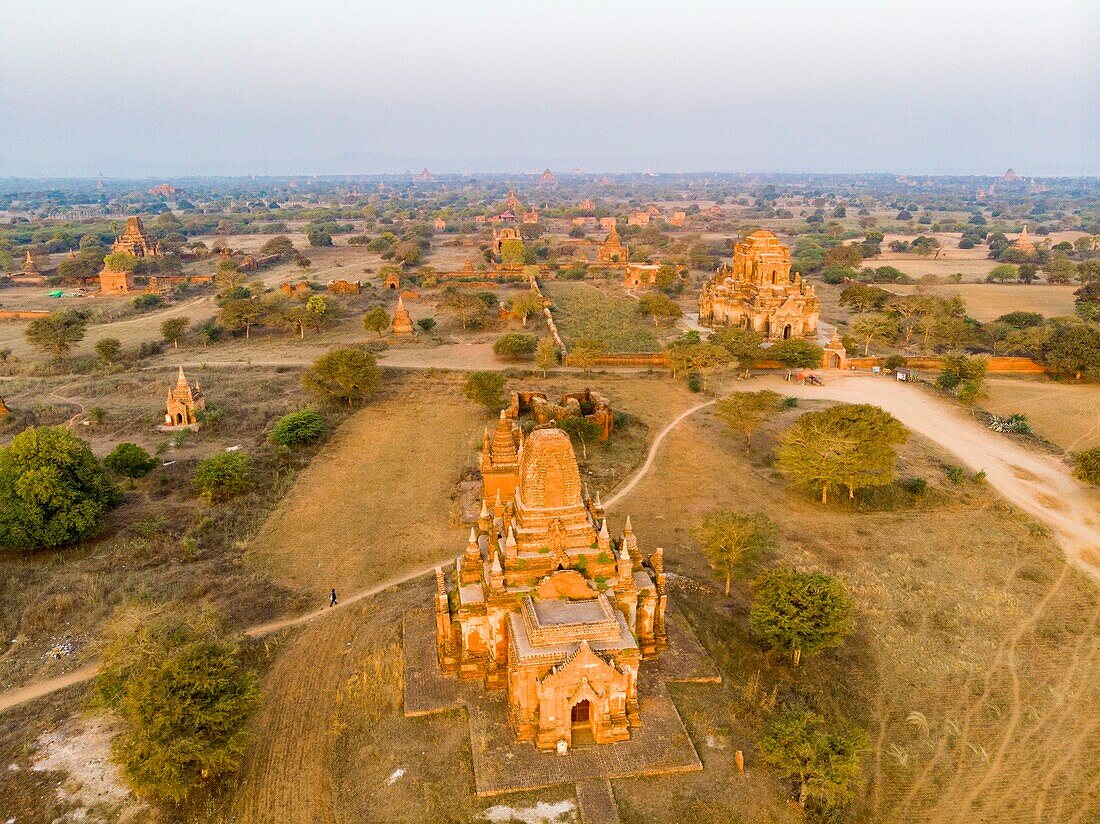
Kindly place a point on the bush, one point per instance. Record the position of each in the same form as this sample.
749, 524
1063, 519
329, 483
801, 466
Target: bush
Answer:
1086, 465
694, 384
299, 428
53, 491
144, 303
895, 362
343, 376
955, 474
223, 476
485, 388
515, 345
130, 461
789, 403
915, 486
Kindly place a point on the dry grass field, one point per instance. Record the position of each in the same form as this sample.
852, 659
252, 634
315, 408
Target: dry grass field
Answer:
971, 661
1063, 413
380, 497
988, 301
969, 665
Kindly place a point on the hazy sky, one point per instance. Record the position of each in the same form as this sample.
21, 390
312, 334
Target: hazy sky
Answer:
314, 86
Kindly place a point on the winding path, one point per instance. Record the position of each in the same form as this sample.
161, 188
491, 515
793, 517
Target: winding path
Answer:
1038, 484
38, 689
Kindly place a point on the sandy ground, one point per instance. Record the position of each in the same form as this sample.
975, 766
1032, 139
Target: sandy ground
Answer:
988, 301
1065, 414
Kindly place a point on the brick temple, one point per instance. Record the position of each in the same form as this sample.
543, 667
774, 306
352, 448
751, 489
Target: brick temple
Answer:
545, 604
759, 293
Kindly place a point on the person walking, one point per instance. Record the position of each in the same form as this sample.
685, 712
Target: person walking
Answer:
332, 597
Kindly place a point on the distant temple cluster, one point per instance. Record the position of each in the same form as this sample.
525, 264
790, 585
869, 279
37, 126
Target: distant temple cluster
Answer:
544, 603
759, 293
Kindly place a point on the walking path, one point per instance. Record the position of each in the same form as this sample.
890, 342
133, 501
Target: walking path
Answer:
1038, 484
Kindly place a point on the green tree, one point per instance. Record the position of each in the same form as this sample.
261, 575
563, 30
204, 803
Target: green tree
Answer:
697, 359
183, 698
863, 298
130, 461
297, 428
727, 537
108, 350
120, 262
427, 324
874, 326
485, 388
795, 353
238, 314
1060, 270
963, 375
742, 344
798, 612
223, 475
513, 253
515, 345
1075, 350
586, 353
53, 491
743, 412
376, 320
229, 276
469, 309
318, 237
57, 333
658, 306
546, 355
278, 246
1002, 273
525, 304
847, 446
348, 376
826, 761
581, 430
172, 329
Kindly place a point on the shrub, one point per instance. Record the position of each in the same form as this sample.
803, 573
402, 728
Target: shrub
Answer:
955, 474
485, 388
1086, 465
223, 476
130, 461
915, 486
895, 362
800, 612
299, 428
144, 303
515, 345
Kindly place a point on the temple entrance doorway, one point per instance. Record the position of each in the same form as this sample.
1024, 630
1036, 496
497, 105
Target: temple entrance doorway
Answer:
786, 332
580, 717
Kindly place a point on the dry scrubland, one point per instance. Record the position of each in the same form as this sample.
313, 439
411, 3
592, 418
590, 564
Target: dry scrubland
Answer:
1063, 413
972, 660
970, 666
988, 301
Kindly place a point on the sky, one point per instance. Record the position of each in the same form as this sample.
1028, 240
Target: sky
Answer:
233, 87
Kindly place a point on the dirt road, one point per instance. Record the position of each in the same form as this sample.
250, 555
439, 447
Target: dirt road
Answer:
1039, 484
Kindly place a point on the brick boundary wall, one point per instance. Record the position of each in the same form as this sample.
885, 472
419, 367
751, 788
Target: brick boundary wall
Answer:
29, 314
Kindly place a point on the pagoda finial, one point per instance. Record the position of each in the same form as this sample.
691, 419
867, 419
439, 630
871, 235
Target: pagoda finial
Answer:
628, 529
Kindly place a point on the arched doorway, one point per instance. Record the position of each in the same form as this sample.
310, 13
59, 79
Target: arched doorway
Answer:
581, 713
179, 418
834, 360
393, 286
786, 332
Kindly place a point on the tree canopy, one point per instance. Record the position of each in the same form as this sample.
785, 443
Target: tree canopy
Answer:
727, 537
825, 760
848, 446
53, 491
58, 333
743, 412
348, 376
800, 612
183, 697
